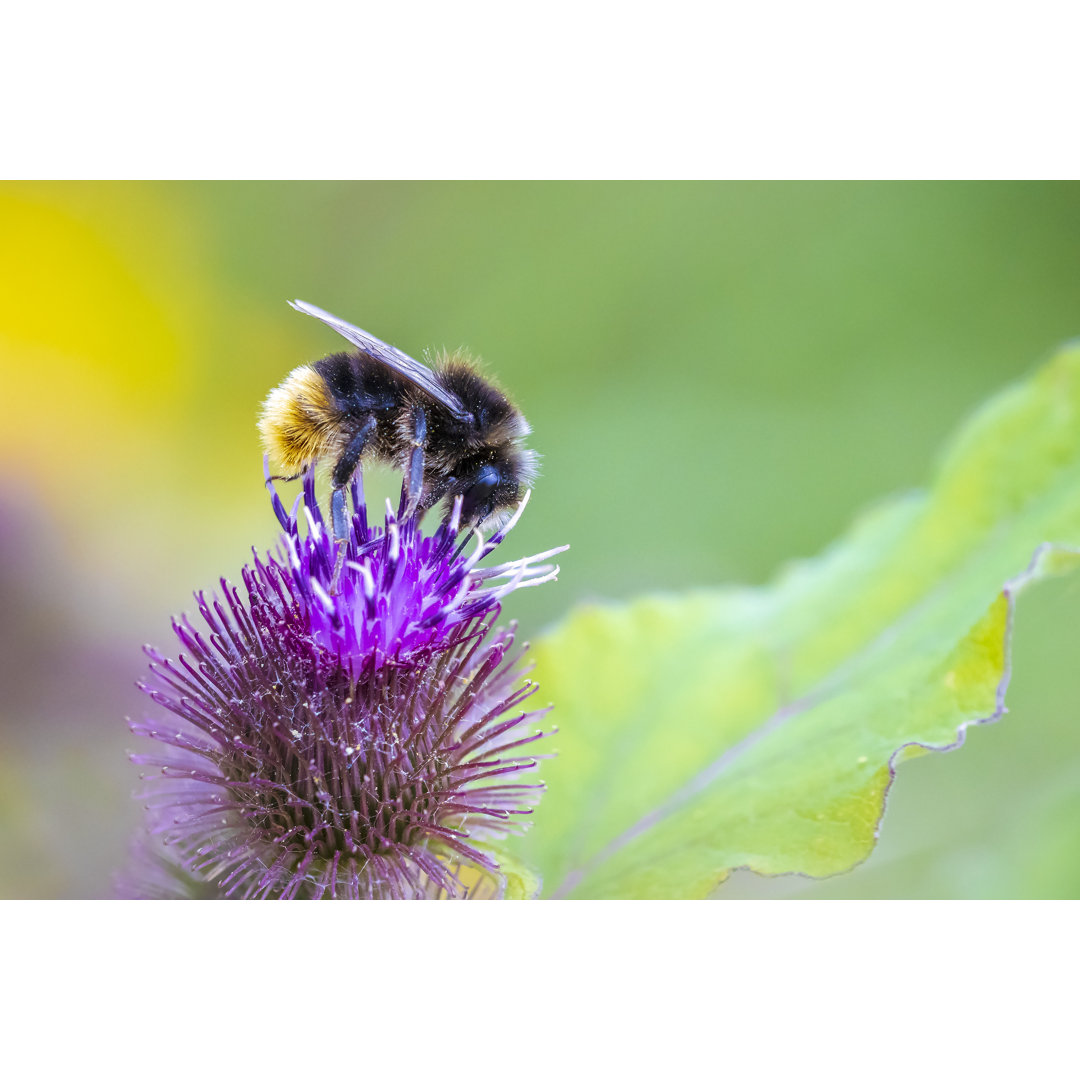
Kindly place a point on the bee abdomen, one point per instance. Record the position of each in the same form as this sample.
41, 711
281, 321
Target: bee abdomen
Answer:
299, 422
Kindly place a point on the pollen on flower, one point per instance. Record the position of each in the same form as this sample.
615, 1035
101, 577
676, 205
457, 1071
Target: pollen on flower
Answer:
359, 737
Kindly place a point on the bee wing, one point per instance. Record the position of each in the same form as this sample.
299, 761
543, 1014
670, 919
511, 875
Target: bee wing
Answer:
418, 374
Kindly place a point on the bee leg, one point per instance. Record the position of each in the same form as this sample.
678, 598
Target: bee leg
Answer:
338, 519
350, 457
341, 537
414, 478
342, 475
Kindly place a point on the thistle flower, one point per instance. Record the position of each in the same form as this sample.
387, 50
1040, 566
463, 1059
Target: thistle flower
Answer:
351, 737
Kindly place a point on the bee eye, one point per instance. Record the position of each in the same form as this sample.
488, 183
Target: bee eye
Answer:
478, 495
485, 482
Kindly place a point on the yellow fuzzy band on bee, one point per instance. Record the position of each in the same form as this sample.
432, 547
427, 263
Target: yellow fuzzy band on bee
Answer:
298, 423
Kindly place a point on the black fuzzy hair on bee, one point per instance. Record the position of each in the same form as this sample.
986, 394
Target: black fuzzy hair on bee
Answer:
453, 433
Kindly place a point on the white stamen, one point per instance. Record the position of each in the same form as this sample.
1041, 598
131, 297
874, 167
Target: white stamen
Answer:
314, 528
509, 587
395, 541
516, 515
551, 551
322, 595
482, 548
530, 582
507, 568
294, 555
369, 582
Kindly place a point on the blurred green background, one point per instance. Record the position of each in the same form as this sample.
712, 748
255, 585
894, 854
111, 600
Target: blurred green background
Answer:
718, 377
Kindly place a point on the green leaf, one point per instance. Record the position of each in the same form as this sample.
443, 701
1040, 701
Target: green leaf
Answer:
513, 881
762, 727
520, 881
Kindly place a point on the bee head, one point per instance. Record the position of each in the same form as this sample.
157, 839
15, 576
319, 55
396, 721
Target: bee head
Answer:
490, 483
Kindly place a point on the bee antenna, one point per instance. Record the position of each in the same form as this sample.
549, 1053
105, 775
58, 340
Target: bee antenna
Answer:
461, 547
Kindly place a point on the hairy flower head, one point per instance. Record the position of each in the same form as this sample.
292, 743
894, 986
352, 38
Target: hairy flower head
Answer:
357, 736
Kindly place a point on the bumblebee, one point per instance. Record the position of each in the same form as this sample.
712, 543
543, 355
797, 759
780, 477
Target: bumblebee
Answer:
448, 429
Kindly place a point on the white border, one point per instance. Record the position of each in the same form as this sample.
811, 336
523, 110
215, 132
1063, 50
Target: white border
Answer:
545, 989
774, 89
